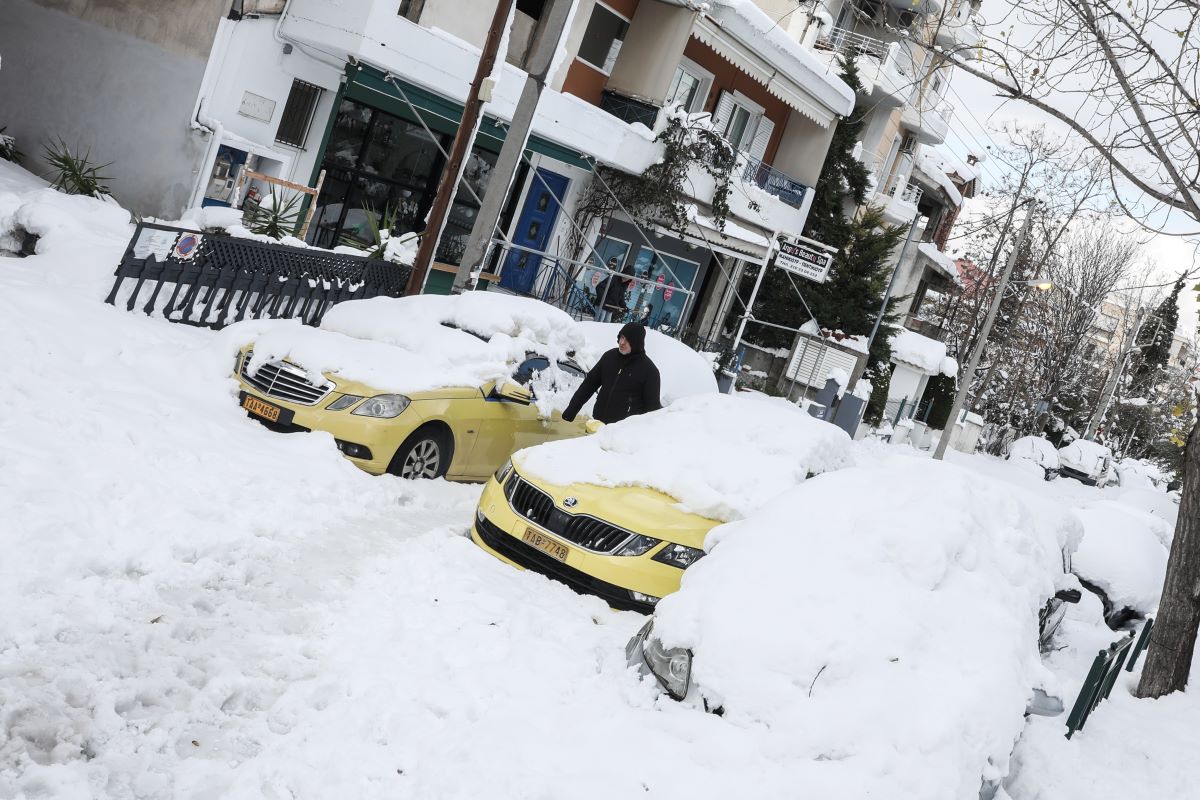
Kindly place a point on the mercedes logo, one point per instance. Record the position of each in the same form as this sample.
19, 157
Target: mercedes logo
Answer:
570, 502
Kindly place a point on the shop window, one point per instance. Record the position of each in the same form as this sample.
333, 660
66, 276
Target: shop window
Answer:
602, 40
298, 113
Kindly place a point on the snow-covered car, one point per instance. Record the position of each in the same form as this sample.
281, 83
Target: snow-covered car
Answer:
420, 387
1037, 451
1123, 558
1141, 474
882, 622
623, 513
1088, 462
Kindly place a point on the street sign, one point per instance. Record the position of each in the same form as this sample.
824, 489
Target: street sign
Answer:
807, 258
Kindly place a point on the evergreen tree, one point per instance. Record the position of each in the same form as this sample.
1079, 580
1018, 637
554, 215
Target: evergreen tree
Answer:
1155, 338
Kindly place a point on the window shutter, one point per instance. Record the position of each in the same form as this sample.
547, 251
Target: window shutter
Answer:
762, 137
723, 110
298, 113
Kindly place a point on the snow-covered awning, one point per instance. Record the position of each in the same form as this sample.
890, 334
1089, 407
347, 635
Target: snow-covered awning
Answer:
922, 353
755, 44
736, 239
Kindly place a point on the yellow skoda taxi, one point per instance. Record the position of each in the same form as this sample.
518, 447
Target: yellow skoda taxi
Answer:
623, 513
420, 387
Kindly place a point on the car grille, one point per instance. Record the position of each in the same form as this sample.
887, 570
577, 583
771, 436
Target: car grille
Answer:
586, 531
533, 559
285, 381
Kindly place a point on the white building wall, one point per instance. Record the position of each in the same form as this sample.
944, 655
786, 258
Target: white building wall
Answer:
907, 382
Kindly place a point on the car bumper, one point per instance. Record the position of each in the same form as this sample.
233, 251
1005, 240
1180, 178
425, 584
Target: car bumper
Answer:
499, 530
381, 437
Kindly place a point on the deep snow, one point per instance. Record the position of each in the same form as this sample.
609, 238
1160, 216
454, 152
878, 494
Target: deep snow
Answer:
198, 608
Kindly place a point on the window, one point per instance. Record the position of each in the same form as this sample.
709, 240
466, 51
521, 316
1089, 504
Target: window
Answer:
411, 9
739, 119
689, 87
602, 40
532, 8
298, 113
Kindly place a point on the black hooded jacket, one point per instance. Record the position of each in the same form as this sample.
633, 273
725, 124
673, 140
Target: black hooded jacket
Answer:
628, 385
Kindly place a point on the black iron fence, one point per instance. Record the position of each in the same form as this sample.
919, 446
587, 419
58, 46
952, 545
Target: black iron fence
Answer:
1106, 667
213, 280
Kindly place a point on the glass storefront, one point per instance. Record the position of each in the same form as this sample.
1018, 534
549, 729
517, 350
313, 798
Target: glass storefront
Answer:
659, 299
376, 164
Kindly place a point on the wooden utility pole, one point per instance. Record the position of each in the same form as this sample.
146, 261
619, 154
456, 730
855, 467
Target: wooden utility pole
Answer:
463, 140
538, 64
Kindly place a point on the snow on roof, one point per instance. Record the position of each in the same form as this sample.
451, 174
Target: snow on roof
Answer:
682, 370
406, 344
927, 355
721, 456
880, 624
940, 260
933, 165
757, 31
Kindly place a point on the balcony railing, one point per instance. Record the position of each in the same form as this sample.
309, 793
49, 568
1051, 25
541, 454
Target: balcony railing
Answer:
909, 193
841, 40
629, 110
778, 184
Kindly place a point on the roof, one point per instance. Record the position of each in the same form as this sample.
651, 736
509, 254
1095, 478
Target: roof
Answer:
795, 75
941, 261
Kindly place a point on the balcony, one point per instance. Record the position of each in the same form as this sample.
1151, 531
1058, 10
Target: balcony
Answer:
962, 31
900, 201
886, 69
930, 121
775, 183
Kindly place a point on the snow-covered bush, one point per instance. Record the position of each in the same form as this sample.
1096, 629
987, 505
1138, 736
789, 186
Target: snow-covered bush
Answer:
8, 147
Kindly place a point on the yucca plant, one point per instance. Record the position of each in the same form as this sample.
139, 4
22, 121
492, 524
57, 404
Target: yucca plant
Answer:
381, 227
75, 174
8, 147
275, 216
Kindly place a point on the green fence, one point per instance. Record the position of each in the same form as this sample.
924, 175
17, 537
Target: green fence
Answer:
1103, 674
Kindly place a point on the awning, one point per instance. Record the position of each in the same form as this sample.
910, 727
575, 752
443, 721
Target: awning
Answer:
370, 86
737, 240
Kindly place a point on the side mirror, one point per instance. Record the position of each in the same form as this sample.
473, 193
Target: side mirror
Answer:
1069, 595
593, 426
513, 393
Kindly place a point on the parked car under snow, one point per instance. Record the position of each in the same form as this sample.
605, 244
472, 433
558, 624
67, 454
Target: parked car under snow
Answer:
1037, 451
884, 623
1088, 462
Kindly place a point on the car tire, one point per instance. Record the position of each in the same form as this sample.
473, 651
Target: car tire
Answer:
425, 454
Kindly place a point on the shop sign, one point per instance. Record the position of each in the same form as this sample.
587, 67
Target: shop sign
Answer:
805, 258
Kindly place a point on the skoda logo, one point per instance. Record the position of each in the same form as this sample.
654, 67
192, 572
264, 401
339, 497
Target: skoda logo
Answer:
570, 502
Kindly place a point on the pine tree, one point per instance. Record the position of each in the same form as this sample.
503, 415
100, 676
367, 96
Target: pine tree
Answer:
1156, 337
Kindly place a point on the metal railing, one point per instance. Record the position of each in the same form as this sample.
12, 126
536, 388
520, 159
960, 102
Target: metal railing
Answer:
1103, 674
841, 40
627, 109
212, 280
774, 182
908, 193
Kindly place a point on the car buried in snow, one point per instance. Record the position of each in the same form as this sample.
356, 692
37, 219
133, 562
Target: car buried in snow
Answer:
623, 513
419, 387
1088, 462
885, 622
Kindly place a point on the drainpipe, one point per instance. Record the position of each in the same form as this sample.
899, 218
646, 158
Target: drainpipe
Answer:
200, 120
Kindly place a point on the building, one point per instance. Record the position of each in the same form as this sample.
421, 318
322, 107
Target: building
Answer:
366, 97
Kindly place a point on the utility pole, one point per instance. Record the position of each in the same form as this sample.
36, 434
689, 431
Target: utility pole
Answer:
968, 375
538, 66
463, 139
746, 317
1110, 386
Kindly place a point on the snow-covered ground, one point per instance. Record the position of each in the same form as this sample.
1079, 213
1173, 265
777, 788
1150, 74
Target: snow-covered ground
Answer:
195, 607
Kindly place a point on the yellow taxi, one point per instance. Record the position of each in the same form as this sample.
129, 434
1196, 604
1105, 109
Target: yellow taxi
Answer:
627, 545
457, 432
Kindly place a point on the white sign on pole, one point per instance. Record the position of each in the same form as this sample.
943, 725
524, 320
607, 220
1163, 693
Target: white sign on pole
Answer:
806, 258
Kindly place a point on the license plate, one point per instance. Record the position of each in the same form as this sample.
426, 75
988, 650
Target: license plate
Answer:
261, 409
544, 543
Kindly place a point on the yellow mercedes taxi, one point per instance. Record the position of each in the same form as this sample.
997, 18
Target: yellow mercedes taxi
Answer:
621, 514
421, 387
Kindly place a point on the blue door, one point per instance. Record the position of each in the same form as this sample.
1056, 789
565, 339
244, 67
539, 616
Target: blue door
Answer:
533, 230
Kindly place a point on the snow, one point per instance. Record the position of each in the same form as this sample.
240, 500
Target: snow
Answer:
1035, 449
1084, 455
927, 355
682, 370
404, 345
1140, 474
933, 164
731, 230
1123, 553
890, 663
739, 452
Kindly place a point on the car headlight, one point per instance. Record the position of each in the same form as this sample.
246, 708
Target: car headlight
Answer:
678, 556
671, 666
343, 402
637, 545
383, 405
504, 471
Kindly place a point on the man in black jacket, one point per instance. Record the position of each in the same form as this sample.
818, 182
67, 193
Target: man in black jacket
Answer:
626, 378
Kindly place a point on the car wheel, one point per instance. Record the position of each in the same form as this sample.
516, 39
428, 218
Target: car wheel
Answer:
426, 454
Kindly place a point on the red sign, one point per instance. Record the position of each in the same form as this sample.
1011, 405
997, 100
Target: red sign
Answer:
661, 279
596, 276
670, 290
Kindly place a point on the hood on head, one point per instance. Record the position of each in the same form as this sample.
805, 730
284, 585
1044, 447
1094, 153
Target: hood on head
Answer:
635, 334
